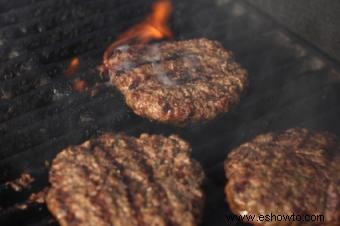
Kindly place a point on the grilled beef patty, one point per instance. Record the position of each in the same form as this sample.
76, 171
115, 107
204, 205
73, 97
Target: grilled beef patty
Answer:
178, 82
294, 172
120, 180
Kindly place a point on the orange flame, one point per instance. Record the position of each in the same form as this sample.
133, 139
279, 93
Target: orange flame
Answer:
72, 67
79, 85
154, 27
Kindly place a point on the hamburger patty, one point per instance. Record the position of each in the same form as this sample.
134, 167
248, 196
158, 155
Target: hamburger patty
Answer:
178, 82
120, 180
293, 172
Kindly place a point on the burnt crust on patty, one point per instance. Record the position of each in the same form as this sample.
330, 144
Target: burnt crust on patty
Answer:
121, 180
292, 172
178, 82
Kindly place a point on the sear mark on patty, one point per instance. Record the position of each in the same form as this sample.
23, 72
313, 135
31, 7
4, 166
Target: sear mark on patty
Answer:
198, 79
122, 180
292, 172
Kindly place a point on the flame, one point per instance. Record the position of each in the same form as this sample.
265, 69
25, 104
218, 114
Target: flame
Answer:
154, 27
79, 85
72, 67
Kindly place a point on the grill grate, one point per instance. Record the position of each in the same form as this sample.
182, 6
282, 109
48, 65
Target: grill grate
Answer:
291, 84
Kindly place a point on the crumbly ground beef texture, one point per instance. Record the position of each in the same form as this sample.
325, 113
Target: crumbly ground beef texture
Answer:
125, 181
292, 172
178, 82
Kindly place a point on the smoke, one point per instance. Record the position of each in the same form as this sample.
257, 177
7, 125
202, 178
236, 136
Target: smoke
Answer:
159, 71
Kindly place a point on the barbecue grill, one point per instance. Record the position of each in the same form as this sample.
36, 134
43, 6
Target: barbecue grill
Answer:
293, 83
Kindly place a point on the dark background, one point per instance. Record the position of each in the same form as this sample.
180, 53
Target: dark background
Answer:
318, 21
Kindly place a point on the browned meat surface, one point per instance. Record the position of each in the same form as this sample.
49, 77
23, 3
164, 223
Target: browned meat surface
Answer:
120, 180
35, 198
293, 172
21, 183
178, 82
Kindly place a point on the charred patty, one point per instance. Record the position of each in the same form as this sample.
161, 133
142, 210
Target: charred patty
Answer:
293, 172
178, 82
125, 181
